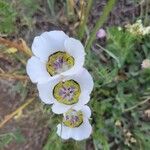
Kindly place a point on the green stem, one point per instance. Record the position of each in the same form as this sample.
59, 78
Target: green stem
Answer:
141, 9
84, 19
70, 10
146, 20
110, 54
100, 22
138, 104
51, 6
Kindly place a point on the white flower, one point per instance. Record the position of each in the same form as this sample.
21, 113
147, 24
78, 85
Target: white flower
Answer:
55, 54
75, 124
138, 29
146, 63
67, 91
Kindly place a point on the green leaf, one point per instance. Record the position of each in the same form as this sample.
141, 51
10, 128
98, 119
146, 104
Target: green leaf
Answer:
7, 17
7, 138
120, 45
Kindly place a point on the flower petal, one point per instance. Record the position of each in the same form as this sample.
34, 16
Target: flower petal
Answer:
63, 131
86, 84
86, 111
85, 80
48, 43
46, 91
59, 108
82, 132
75, 49
37, 70
83, 77
83, 99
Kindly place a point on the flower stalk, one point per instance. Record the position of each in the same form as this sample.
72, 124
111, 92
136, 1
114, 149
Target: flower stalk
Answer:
100, 22
138, 104
84, 18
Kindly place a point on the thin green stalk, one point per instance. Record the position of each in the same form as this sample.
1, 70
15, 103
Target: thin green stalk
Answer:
70, 9
146, 19
84, 18
51, 6
141, 9
100, 22
110, 54
138, 104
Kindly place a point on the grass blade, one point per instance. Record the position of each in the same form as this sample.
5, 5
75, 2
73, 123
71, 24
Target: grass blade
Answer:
100, 22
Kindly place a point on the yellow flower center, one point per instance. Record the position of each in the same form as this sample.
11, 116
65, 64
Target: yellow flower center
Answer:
67, 92
73, 118
59, 62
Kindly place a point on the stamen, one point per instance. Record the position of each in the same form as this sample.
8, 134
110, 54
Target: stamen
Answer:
73, 118
67, 92
59, 62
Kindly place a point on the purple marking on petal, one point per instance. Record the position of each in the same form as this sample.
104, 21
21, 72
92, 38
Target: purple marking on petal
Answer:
64, 96
64, 88
62, 92
61, 60
67, 92
58, 64
76, 118
67, 117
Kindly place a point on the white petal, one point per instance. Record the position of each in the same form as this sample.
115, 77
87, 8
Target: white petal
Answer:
85, 80
63, 131
86, 84
86, 111
82, 132
75, 49
37, 70
59, 108
71, 71
83, 99
46, 91
48, 43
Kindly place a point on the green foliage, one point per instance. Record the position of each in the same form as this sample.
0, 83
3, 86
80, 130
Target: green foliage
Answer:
146, 46
7, 138
118, 92
120, 43
29, 7
8, 13
7, 17
21, 89
107, 9
54, 142
83, 20
51, 4
142, 132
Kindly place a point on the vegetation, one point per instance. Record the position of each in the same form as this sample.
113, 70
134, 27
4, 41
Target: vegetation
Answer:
121, 95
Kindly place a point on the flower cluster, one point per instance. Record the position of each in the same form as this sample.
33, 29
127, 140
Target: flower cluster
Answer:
57, 69
137, 28
146, 64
